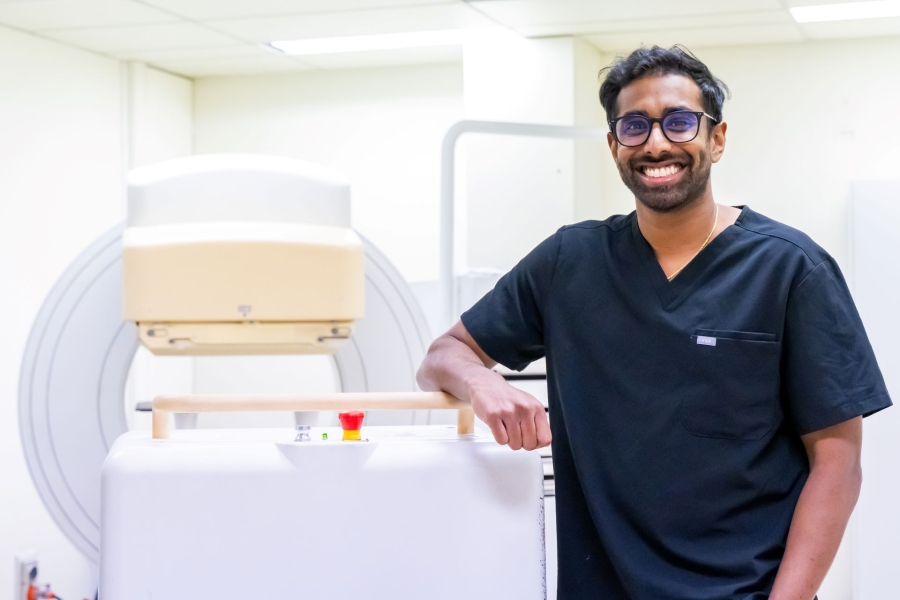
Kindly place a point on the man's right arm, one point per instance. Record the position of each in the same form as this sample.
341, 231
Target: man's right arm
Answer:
457, 365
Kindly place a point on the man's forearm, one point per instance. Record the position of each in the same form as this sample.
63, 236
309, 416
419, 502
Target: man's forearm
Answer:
817, 528
450, 366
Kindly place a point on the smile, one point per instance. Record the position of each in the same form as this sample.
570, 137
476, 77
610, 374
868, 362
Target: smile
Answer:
661, 172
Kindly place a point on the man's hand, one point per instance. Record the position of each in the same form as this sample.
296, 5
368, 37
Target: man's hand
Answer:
515, 417
456, 364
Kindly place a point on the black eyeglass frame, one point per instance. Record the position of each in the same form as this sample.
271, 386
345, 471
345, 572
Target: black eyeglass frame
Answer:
698, 114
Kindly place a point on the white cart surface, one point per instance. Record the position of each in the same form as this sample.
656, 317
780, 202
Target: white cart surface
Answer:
410, 513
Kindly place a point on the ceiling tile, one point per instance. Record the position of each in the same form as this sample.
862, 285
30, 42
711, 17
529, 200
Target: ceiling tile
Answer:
59, 14
671, 23
113, 40
233, 66
219, 9
861, 28
390, 20
520, 13
387, 58
697, 38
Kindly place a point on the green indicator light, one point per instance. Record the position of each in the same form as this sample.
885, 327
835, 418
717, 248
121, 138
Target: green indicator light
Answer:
324, 436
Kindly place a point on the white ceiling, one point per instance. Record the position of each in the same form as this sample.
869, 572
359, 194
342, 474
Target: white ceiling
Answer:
199, 38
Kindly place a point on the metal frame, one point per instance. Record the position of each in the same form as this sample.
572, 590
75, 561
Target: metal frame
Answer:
448, 191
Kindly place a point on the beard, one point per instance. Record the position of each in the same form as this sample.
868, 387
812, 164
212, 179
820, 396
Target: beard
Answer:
667, 198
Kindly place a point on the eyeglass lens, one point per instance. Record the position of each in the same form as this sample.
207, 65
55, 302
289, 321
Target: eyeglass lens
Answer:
633, 130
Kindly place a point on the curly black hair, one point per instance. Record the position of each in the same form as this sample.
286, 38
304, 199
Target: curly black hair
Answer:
645, 62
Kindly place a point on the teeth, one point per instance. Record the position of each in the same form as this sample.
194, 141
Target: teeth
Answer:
663, 172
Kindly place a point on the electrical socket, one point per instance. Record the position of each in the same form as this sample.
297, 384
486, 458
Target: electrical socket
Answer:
24, 563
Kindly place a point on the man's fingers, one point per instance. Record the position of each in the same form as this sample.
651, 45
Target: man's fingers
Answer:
516, 418
499, 430
514, 431
544, 437
529, 432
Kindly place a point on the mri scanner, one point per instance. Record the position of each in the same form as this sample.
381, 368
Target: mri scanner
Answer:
235, 255
230, 213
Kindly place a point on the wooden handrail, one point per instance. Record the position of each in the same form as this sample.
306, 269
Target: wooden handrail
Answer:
164, 406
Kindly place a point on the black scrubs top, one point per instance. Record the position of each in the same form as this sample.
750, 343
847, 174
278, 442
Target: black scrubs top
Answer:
677, 407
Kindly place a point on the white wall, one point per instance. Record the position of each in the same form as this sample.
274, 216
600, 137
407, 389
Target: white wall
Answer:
62, 161
876, 209
588, 113
516, 191
159, 115
381, 127
60, 187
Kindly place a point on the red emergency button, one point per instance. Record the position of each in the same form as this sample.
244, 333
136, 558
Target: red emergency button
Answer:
351, 422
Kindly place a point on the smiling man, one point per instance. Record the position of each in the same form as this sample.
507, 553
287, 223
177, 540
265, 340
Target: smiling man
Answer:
707, 369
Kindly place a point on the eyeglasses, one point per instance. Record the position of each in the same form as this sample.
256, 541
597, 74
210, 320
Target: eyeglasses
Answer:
679, 126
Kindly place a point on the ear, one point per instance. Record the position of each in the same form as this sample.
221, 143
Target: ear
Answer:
717, 142
613, 144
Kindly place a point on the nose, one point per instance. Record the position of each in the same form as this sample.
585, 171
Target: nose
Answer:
657, 142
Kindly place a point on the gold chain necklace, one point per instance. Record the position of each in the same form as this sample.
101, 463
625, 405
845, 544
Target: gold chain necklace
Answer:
705, 242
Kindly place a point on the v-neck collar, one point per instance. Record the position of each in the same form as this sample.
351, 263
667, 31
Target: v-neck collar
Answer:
671, 292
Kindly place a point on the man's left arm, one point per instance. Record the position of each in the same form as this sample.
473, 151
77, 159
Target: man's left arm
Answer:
823, 510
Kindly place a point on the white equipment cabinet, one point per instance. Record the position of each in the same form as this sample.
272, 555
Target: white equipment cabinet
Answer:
411, 513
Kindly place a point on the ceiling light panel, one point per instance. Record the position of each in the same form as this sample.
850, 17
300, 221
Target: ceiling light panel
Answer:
519, 13
766, 17
229, 9
63, 14
387, 58
867, 28
847, 11
113, 40
355, 23
698, 38
368, 43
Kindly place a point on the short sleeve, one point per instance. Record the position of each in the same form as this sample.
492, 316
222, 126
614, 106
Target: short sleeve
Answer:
508, 322
829, 371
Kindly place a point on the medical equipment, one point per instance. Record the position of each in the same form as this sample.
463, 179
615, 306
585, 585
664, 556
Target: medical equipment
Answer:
263, 261
396, 512
78, 356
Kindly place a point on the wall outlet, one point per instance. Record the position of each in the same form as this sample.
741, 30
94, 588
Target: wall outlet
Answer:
24, 562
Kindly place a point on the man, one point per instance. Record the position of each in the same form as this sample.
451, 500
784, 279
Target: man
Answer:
707, 370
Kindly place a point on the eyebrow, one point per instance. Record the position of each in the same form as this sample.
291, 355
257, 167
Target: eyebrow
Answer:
666, 111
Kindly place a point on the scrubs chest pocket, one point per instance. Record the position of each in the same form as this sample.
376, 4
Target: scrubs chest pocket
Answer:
733, 385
